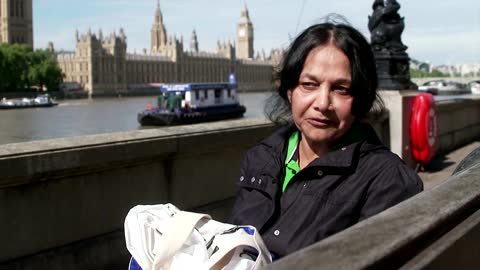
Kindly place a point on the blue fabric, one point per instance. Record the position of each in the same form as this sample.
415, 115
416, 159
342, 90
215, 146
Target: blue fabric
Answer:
133, 265
249, 230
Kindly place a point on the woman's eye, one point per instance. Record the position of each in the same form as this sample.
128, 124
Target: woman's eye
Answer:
308, 85
342, 90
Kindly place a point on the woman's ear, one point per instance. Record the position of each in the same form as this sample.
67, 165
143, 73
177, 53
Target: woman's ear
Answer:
289, 96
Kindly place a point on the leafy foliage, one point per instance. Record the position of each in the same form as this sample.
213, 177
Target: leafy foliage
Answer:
417, 73
22, 68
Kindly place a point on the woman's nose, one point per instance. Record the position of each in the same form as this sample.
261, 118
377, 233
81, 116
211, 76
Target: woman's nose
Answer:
322, 100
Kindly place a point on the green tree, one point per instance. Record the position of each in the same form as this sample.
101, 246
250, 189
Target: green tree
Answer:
416, 73
3, 75
44, 70
21, 68
15, 66
437, 73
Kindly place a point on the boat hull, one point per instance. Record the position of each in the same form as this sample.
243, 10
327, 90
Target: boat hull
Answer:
16, 106
165, 118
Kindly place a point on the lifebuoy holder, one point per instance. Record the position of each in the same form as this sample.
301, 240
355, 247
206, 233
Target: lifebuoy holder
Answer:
424, 128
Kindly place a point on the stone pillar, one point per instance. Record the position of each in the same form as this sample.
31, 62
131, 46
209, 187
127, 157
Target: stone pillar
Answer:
394, 71
393, 68
399, 105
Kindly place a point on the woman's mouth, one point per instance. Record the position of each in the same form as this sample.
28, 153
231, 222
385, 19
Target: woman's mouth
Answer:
320, 122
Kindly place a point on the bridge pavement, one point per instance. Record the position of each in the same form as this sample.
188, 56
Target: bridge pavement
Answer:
443, 166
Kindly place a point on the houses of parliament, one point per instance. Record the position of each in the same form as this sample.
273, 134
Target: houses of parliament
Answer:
102, 66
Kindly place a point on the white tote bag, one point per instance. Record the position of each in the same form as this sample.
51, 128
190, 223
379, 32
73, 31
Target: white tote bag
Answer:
161, 237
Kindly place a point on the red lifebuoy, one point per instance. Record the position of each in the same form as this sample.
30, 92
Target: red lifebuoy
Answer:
424, 128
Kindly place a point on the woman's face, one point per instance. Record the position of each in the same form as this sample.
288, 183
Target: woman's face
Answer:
321, 102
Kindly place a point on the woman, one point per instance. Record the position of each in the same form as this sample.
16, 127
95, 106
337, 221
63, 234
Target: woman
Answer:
327, 170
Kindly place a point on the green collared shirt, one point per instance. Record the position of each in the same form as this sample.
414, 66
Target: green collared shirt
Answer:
291, 164
291, 161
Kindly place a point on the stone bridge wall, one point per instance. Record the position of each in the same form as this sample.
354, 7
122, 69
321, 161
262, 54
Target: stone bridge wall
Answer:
63, 201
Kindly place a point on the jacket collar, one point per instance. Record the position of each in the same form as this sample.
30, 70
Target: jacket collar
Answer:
343, 159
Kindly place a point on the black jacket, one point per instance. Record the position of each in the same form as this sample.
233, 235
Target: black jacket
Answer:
330, 194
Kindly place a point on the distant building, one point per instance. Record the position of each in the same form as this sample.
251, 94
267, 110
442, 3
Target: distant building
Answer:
469, 70
103, 66
16, 24
245, 35
459, 70
446, 69
423, 66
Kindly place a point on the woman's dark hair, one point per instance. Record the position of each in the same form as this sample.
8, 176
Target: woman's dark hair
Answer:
346, 38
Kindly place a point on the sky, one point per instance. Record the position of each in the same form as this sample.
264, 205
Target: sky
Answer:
440, 32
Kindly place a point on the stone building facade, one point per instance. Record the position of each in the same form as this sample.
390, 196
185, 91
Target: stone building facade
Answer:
16, 24
102, 65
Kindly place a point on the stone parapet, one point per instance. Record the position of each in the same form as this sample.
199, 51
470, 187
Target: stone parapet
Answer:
459, 122
436, 229
66, 199
58, 192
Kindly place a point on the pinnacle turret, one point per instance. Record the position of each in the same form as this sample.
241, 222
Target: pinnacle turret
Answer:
158, 32
158, 14
194, 42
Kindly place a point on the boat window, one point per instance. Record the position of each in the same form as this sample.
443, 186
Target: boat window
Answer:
229, 92
205, 93
218, 93
197, 95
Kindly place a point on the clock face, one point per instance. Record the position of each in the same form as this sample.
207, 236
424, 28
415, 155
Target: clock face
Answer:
241, 32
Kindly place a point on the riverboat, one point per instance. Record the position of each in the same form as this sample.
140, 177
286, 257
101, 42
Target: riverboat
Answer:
39, 101
193, 103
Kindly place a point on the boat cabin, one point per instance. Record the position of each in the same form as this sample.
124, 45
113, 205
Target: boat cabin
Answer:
197, 95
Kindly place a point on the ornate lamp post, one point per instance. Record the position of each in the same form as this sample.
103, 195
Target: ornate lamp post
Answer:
393, 64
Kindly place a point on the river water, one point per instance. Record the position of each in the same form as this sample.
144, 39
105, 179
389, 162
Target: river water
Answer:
89, 116
104, 115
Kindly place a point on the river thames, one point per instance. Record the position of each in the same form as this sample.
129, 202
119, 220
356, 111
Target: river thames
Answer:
74, 117
90, 116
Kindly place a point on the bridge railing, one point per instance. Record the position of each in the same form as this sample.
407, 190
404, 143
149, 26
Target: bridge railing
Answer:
65, 199
437, 229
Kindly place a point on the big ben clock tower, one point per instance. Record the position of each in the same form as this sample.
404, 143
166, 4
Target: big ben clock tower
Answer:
244, 36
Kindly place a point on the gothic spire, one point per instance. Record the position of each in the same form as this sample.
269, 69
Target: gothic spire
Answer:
194, 42
158, 14
245, 11
158, 32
